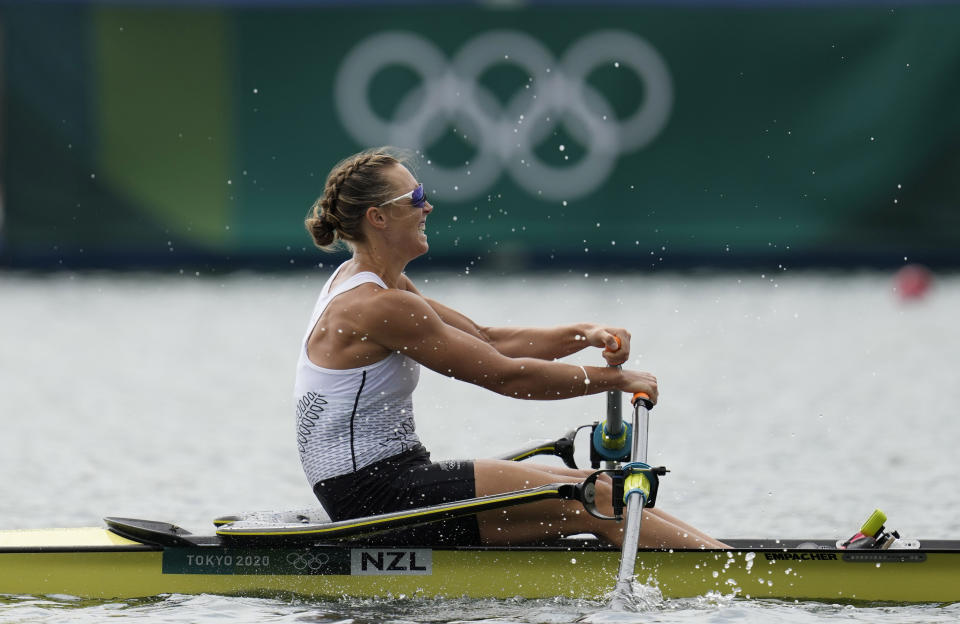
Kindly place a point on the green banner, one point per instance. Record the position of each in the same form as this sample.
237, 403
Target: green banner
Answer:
639, 136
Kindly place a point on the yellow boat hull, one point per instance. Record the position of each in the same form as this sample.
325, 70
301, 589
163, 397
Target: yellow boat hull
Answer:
97, 563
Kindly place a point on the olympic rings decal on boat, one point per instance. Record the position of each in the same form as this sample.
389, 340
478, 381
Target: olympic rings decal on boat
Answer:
308, 561
505, 136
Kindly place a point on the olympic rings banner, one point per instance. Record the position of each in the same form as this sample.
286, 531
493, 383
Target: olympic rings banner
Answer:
451, 96
635, 137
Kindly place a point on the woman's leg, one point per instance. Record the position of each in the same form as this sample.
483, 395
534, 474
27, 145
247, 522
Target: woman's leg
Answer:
550, 519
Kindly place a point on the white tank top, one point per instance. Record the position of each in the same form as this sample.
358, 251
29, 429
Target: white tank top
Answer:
350, 418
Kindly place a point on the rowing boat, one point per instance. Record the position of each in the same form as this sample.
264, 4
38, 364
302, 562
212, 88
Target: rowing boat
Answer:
302, 552
130, 558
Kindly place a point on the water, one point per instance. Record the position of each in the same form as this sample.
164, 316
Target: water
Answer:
791, 406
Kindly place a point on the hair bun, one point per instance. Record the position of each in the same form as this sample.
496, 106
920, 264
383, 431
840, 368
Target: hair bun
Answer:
321, 230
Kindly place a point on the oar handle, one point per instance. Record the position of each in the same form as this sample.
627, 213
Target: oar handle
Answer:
619, 344
643, 399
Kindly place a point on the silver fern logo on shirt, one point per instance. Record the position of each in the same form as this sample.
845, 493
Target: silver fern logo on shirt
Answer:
309, 409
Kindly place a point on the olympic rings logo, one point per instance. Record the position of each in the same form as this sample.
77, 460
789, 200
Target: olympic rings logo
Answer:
506, 135
307, 561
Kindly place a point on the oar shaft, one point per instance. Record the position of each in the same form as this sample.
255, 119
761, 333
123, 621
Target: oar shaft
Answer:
614, 412
628, 557
613, 426
641, 434
634, 509
615, 402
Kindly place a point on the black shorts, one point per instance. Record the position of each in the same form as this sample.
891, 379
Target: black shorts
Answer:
405, 481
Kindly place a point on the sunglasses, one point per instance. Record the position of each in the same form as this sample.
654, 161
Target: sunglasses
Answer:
417, 197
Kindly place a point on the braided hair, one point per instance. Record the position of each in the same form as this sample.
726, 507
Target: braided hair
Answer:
354, 184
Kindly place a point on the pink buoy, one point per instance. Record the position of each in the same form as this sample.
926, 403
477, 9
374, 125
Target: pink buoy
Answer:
913, 282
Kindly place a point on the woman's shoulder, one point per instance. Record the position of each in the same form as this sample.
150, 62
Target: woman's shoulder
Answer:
407, 284
375, 296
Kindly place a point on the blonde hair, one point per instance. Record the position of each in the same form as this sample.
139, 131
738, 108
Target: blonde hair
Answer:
354, 184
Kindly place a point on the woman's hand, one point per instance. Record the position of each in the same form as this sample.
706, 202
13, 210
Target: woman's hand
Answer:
614, 341
640, 381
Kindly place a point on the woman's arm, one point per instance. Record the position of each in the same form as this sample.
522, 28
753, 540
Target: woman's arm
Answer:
405, 322
548, 343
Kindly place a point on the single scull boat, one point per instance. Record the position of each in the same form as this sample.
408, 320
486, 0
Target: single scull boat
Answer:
117, 562
303, 553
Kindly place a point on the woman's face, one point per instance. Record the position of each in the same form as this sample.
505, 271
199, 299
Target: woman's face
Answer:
407, 223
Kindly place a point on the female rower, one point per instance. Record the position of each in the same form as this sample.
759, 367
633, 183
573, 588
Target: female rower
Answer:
360, 361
